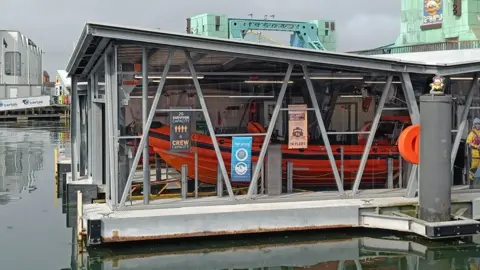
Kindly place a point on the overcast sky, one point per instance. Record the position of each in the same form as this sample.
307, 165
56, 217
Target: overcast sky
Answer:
55, 25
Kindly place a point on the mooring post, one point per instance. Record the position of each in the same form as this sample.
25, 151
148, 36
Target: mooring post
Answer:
184, 181
435, 163
289, 177
219, 182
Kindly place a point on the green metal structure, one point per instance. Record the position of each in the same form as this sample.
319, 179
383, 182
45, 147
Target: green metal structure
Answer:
316, 34
435, 25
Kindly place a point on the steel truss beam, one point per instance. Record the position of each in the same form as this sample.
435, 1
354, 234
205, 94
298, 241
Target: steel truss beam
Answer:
323, 130
414, 112
146, 128
371, 136
271, 126
463, 120
208, 121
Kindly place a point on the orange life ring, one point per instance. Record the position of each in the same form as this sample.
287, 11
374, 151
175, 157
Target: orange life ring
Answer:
409, 144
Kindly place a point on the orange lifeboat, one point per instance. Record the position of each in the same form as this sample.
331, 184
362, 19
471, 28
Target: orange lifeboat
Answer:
311, 165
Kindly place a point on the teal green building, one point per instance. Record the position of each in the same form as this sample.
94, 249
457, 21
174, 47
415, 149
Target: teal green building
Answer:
434, 25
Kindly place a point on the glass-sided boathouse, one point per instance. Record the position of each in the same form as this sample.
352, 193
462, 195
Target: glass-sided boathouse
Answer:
350, 173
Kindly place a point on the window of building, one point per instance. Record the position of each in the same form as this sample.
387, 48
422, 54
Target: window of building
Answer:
13, 64
217, 23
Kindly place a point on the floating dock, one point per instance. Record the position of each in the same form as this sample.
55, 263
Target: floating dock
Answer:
111, 133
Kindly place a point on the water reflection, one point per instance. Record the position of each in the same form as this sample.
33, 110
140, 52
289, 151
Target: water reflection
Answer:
22, 149
293, 252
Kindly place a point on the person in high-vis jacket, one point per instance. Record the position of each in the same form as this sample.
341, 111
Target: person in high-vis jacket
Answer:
473, 141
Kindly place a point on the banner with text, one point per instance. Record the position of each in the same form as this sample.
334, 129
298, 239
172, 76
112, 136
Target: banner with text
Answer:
180, 130
24, 103
241, 159
297, 127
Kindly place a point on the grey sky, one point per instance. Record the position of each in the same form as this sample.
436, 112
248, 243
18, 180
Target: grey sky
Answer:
56, 24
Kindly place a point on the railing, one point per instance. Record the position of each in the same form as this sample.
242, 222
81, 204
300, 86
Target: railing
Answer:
428, 47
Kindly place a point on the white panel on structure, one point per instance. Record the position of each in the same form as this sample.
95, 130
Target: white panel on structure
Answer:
24, 103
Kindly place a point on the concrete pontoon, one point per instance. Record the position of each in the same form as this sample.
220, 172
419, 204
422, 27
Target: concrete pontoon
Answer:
120, 63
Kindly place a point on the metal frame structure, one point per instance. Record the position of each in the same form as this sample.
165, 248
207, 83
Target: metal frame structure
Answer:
86, 65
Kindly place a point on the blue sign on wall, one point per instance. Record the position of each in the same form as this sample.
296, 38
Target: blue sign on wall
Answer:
241, 159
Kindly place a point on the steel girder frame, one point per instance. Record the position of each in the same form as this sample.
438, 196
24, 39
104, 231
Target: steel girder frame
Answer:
463, 120
271, 127
414, 112
146, 128
371, 136
208, 121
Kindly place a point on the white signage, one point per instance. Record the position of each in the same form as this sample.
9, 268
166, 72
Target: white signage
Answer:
24, 103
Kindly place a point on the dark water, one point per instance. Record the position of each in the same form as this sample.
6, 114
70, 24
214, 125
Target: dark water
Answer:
33, 233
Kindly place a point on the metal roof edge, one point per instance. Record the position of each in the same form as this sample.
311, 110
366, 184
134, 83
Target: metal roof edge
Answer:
155, 36
73, 61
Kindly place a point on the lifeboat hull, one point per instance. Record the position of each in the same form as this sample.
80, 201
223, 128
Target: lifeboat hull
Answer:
311, 166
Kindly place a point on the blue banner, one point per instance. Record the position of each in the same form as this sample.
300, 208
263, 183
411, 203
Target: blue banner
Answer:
241, 159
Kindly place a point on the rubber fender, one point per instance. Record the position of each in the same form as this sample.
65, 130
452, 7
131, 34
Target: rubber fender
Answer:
409, 144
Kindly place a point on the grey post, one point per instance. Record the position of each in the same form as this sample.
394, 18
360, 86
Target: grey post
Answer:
400, 171
208, 121
323, 130
151, 115
435, 148
463, 121
289, 177
411, 101
146, 162
184, 179
390, 173
196, 172
371, 136
219, 182
271, 127
342, 164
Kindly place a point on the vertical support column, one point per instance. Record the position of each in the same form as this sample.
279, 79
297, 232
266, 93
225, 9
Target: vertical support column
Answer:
435, 146
146, 128
74, 131
268, 136
146, 163
116, 193
463, 119
89, 125
323, 130
411, 101
110, 130
371, 136
208, 121
96, 135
